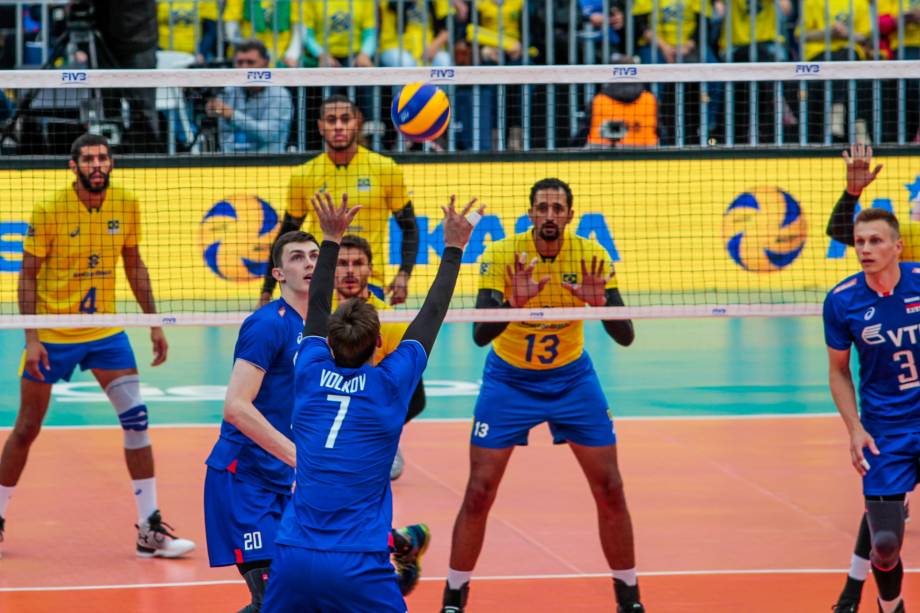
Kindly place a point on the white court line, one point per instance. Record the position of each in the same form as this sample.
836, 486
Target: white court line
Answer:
464, 420
665, 573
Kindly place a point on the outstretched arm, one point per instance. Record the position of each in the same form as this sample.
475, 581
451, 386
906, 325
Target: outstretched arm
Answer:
620, 330
457, 229
860, 175
334, 222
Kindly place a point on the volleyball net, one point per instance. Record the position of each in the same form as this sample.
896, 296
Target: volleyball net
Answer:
707, 187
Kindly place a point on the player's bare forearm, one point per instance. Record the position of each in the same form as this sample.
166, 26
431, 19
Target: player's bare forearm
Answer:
27, 289
139, 279
245, 382
844, 394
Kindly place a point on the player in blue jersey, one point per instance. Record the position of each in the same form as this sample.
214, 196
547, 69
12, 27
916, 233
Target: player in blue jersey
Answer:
878, 311
331, 553
250, 469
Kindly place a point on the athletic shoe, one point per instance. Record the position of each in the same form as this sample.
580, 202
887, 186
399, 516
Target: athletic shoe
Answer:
846, 605
455, 600
154, 539
396, 470
627, 597
410, 544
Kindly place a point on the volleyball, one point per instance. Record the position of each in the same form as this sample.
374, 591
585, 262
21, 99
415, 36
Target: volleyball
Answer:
421, 111
764, 229
236, 237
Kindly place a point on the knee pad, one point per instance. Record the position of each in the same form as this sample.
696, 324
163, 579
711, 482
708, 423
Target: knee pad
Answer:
886, 524
125, 395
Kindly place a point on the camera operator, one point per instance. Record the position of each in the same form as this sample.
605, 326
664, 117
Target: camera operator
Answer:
129, 31
252, 119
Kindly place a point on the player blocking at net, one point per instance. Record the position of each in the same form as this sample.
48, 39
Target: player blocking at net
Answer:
878, 311
332, 547
72, 248
539, 372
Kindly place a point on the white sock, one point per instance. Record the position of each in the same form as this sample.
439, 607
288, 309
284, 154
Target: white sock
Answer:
859, 568
456, 578
627, 576
5, 494
145, 497
888, 606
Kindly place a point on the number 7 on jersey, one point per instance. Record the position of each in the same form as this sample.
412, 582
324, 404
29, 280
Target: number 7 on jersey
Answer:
339, 418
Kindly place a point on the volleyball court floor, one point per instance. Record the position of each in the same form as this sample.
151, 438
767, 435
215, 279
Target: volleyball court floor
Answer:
736, 471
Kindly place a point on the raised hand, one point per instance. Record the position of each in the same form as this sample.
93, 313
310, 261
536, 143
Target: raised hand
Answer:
458, 226
593, 283
859, 161
520, 277
333, 221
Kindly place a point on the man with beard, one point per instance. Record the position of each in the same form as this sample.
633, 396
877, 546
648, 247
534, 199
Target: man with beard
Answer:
371, 181
71, 252
353, 269
539, 372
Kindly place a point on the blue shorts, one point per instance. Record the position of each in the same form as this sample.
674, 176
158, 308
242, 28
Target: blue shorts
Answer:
109, 353
897, 469
240, 518
319, 581
514, 400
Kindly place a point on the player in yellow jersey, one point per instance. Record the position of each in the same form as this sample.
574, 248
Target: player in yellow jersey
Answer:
538, 371
353, 270
860, 174
373, 181
72, 248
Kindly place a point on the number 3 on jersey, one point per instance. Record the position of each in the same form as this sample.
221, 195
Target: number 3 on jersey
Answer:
911, 378
88, 304
548, 350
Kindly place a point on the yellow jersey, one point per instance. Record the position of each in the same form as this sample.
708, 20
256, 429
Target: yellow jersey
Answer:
182, 17
81, 250
911, 30
371, 180
670, 13
415, 36
262, 18
338, 24
509, 24
390, 333
839, 11
541, 345
765, 23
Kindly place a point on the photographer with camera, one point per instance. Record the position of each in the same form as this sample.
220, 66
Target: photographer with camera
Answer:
252, 119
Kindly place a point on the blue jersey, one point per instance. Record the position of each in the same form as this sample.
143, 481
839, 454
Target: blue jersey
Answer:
268, 340
346, 424
886, 332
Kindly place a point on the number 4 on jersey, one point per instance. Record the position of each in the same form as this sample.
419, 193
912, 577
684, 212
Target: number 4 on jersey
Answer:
88, 304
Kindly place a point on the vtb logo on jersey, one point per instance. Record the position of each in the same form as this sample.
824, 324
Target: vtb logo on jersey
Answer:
905, 335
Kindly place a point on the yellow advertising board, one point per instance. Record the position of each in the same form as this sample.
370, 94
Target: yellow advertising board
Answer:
666, 223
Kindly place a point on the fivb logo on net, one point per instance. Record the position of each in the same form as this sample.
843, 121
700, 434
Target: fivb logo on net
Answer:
807, 69
74, 77
625, 72
441, 75
258, 76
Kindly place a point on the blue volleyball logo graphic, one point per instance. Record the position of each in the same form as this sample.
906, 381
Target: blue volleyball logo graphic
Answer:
236, 237
421, 111
764, 229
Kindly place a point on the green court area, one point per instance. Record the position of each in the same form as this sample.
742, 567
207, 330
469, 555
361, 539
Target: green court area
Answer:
688, 367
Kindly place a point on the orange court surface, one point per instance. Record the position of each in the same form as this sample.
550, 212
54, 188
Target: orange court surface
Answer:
741, 514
